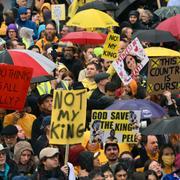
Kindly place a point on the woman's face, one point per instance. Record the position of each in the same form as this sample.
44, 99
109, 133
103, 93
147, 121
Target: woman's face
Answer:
168, 151
108, 175
131, 63
155, 166
145, 18
25, 157
69, 80
121, 175
152, 177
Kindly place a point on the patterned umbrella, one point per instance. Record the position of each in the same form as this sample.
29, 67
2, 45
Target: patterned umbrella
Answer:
42, 66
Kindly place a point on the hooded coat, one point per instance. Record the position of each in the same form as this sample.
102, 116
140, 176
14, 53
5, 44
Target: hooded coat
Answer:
30, 166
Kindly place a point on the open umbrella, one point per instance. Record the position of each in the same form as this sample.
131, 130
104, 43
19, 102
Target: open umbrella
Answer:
102, 6
42, 66
85, 37
166, 12
123, 6
148, 109
92, 18
154, 36
164, 126
159, 51
171, 25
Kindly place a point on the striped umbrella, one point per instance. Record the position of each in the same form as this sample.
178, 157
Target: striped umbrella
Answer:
42, 66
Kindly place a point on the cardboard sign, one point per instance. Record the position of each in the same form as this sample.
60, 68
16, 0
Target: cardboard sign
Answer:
130, 62
68, 116
58, 12
14, 83
116, 125
111, 46
163, 74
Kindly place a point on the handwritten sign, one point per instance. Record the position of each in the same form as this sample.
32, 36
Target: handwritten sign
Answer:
163, 75
111, 46
58, 12
14, 83
130, 62
68, 116
119, 125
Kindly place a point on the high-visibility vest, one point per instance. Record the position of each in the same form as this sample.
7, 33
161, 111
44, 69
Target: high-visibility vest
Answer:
44, 88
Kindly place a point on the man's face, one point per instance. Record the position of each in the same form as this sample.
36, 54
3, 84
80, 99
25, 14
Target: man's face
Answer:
12, 34
22, 3
10, 140
112, 153
51, 163
91, 71
2, 157
50, 32
68, 53
152, 144
25, 157
64, 31
46, 106
106, 64
132, 19
24, 17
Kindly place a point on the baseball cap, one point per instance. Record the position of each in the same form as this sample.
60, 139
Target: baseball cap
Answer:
48, 152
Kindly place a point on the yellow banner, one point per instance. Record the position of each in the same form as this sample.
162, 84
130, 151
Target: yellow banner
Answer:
115, 125
111, 46
68, 116
58, 12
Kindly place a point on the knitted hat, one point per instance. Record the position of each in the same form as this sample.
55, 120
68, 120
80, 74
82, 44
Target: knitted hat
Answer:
12, 27
22, 10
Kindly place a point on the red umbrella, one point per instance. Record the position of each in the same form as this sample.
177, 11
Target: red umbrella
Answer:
42, 66
171, 25
85, 37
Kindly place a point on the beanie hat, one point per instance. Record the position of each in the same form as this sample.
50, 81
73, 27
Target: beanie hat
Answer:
22, 10
12, 26
134, 13
98, 51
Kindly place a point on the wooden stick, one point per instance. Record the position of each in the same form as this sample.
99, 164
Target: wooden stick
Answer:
158, 4
66, 154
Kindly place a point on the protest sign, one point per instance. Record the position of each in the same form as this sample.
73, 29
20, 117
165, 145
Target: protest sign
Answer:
130, 62
14, 85
163, 75
68, 116
58, 12
116, 125
111, 46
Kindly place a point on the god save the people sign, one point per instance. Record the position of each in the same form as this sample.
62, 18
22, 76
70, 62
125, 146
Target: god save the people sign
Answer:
68, 116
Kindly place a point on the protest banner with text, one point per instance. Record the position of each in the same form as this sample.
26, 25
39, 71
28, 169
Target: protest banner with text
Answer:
115, 125
58, 12
14, 85
68, 116
163, 75
111, 46
130, 62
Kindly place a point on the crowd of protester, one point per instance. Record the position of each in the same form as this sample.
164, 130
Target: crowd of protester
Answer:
25, 151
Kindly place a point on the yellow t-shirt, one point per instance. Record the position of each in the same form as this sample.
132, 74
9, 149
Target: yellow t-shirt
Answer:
25, 122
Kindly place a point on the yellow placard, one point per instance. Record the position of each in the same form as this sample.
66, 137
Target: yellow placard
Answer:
68, 116
58, 12
115, 125
111, 46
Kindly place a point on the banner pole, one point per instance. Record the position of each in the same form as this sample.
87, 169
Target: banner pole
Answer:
158, 4
66, 154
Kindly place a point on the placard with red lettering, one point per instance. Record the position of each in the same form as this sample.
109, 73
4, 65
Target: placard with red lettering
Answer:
130, 62
14, 83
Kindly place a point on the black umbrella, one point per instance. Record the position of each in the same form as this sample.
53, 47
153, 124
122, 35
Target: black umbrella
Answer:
102, 6
165, 126
154, 36
123, 6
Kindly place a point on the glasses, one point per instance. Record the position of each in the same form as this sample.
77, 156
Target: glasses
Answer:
2, 153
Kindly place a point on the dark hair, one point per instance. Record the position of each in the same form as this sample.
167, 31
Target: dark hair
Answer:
148, 163
106, 169
93, 63
110, 86
95, 172
125, 64
119, 167
110, 144
150, 172
145, 139
34, 46
68, 73
52, 22
161, 152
